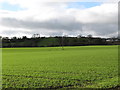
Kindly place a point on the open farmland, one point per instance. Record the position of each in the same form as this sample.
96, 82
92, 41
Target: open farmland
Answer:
52, 67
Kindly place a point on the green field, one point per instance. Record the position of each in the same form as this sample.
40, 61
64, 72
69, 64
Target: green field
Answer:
52, 67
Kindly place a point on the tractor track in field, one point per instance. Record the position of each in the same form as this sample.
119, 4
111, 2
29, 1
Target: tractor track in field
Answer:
52, 72
85, 81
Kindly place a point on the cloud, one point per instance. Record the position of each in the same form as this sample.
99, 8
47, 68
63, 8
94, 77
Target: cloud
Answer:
63, 23
101, 29
56, 19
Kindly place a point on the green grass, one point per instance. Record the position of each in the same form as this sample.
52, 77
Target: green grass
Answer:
52, 67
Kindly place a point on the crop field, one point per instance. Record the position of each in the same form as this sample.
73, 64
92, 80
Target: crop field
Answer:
52, 67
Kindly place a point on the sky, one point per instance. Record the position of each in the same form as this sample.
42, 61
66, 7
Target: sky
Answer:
27, 17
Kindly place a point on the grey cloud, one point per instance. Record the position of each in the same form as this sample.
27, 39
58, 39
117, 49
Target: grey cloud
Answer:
13, 32
59, 24
102, 29
9, 32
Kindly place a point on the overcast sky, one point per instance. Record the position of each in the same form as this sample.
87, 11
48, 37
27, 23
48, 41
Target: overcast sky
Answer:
27, 17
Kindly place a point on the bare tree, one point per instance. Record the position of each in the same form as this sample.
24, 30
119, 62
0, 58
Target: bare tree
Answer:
36, 36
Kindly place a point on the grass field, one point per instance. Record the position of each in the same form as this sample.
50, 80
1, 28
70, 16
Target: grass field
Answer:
52, 67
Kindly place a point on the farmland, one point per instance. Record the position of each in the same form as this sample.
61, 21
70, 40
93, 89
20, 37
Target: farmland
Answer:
52, 67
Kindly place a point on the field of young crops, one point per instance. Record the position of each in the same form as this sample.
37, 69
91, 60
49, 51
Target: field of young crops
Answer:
52, 67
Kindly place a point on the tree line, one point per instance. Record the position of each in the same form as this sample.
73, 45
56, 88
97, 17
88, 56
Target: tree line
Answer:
57, 41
